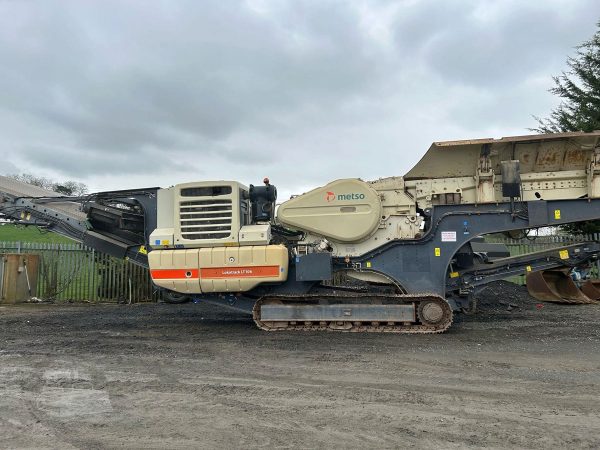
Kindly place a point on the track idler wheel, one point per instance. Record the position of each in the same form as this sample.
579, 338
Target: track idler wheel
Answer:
555, 286
431, 313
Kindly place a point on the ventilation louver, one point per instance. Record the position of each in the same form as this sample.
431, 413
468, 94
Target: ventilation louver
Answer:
205, 219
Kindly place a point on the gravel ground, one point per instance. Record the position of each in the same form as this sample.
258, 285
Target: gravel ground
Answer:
193, 376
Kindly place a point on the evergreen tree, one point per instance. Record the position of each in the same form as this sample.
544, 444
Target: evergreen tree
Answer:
579, 89
579, 110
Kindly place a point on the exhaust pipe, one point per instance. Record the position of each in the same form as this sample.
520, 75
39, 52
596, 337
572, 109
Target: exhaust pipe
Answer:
558, 287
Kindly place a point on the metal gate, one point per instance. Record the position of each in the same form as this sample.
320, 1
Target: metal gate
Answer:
75, 272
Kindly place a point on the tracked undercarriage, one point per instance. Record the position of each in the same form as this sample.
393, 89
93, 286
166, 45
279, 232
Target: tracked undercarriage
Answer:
354, 312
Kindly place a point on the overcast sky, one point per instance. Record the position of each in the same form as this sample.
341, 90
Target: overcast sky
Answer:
122, 94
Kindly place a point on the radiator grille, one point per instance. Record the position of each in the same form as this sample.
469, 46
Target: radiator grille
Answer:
205, 219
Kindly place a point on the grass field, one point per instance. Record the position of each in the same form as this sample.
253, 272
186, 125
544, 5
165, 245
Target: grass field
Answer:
13, 233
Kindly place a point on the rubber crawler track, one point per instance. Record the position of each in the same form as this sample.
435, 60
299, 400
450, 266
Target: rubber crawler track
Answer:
351, 326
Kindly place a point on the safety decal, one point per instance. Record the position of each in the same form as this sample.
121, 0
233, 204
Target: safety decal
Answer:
448, 236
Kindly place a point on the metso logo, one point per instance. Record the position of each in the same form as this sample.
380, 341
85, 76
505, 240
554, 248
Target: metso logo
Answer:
331, 196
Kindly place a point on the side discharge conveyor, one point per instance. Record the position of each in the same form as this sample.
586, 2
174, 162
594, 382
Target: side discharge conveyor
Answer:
397, 254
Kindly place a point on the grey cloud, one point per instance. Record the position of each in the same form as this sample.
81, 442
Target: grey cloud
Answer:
490, 44
146, 76
8, 168
68, 162
234, 89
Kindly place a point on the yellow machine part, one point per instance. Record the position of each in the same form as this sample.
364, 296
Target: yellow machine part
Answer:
218, 269
347, 210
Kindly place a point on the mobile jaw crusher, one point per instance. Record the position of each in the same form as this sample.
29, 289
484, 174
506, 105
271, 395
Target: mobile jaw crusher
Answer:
390, 255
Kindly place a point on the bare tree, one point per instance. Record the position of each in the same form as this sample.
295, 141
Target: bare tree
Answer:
68, 187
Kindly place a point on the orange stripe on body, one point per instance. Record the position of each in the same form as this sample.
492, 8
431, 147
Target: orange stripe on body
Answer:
173, 274
239, 272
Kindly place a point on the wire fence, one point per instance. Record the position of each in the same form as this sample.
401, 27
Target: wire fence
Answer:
539, 243
76, 272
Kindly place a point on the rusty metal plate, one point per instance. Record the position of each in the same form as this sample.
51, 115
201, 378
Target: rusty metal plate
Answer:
591, 288
549, 158
555, 286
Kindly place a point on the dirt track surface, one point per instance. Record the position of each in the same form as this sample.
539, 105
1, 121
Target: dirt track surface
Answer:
193, 376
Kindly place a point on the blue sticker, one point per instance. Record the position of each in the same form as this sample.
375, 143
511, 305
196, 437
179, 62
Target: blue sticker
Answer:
157, 242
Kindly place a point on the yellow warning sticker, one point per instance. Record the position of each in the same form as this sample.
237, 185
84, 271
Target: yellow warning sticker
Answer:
368, 263
528, 268
164, 242
557, 214
437, 251
143, 250
454, 274
564, 254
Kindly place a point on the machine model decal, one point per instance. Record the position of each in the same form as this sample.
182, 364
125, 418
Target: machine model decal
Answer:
240, 272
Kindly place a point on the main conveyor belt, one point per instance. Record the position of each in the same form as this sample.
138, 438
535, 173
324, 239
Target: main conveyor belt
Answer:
18, 189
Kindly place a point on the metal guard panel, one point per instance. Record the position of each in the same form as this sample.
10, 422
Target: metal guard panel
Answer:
537, 153
346, 210
391, 313
219, 269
